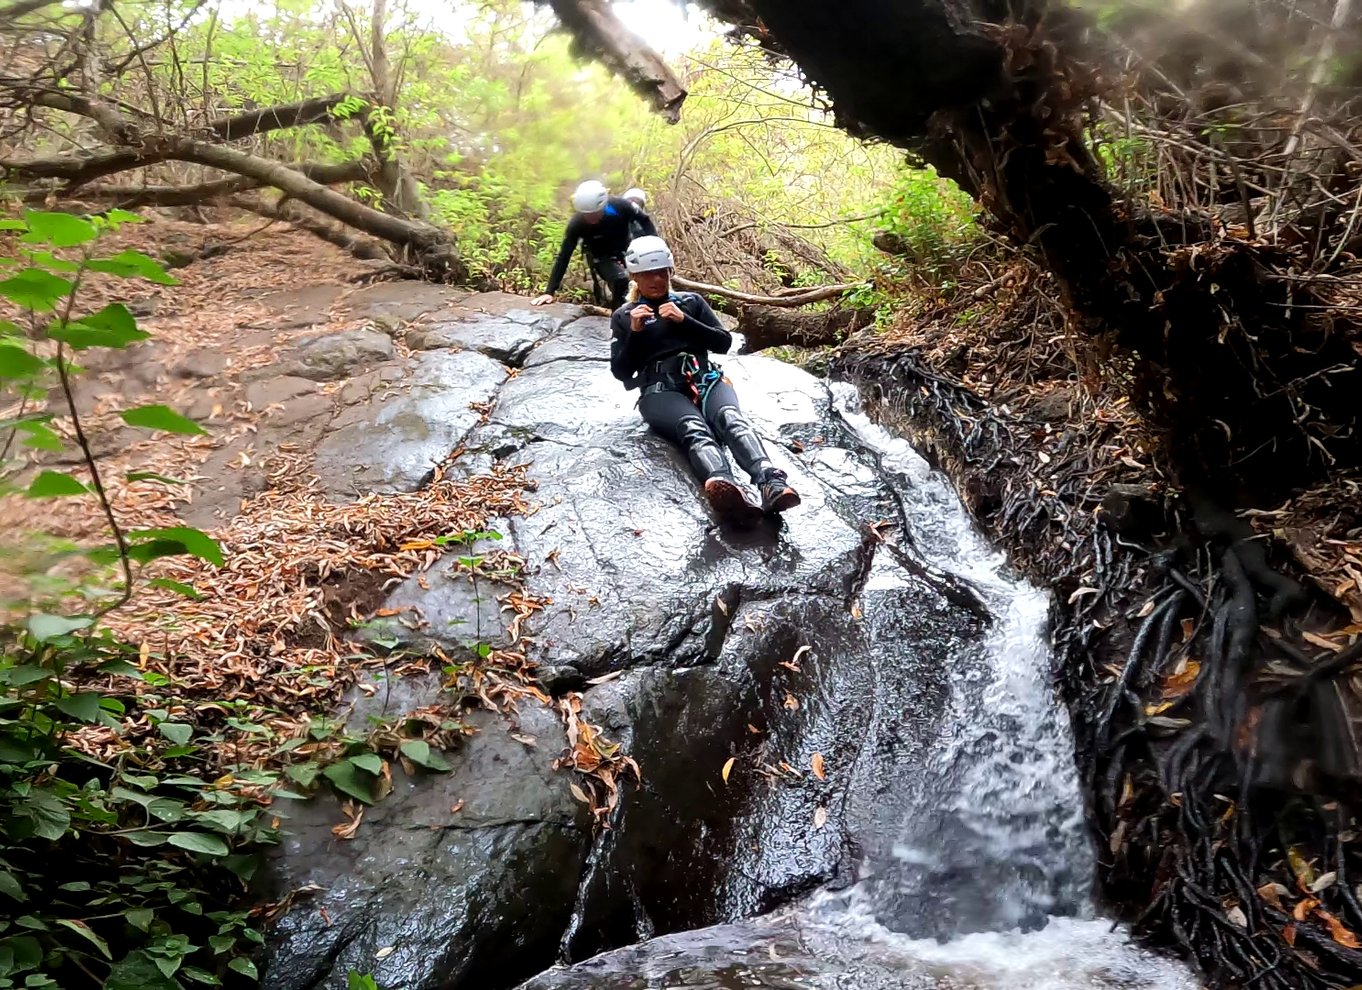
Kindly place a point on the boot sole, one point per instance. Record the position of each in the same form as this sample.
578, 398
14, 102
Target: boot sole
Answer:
730, 503
787, 499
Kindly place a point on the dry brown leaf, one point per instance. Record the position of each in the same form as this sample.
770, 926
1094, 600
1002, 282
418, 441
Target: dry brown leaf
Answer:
346, 830
1302, 910
457, 806
791, 702
529, 741
820, 817
579, 794
728, 768
1273, 894
384, 952
753, 729
1289, 934
1178, 683
1145, 609
816, 762
1338, 931
1237, 917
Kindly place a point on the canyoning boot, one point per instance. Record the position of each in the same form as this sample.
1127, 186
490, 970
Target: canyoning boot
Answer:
742, 439
730, 502
776, 493
707, 458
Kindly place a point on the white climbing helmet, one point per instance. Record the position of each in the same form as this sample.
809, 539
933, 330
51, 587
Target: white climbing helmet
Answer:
590, 197
637, 195
648, 254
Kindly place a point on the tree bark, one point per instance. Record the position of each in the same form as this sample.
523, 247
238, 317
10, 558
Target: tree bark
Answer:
401, 193
771, 326
801, 297
243, 125
132, 197
599, 32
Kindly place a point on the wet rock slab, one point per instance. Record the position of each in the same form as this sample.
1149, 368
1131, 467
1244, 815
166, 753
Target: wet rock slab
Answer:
765, 647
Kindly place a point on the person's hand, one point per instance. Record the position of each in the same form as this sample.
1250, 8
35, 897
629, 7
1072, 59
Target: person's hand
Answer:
638, 315
543, 300
670, 311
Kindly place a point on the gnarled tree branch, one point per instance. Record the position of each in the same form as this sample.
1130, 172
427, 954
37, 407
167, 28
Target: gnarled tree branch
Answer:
598, 31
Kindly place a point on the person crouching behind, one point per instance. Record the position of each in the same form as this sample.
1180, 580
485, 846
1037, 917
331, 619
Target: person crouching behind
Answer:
602, 224
661, 344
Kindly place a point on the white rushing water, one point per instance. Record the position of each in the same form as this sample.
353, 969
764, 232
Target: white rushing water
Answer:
999, 842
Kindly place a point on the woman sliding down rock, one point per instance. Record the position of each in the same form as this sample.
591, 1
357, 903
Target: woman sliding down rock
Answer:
604, 225
660, 343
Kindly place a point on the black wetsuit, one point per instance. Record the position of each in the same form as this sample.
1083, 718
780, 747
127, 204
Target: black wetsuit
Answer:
605, 243
699, 411
642, 225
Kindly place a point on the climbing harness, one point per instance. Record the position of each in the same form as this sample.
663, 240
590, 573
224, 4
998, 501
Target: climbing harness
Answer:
700, 381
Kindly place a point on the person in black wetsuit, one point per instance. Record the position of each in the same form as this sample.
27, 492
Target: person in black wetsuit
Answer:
660, 343
602, 223
640, 199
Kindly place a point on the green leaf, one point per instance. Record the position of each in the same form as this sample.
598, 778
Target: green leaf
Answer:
35, 289
225, 820
121, 216
57, 229
40, 436
420, 753
243, 966
28, 952
159, 417
44, 627
209, 845
55, 484
10, 886
25, 674
221, 943
16, 362
87, 933
304, 773
140, 918
177, 732
147, 838
83, 706
138, 971
369, 762
191, 541
113, 326
179, 587
132, 264
200, 976
49, 816
347, 779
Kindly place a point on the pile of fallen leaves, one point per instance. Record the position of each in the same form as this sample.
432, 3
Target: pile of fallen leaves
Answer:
265, 644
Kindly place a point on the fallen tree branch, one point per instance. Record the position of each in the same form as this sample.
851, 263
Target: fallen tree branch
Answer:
131, 197
802, 298
292, 213
314, 111
771, 326
598, 31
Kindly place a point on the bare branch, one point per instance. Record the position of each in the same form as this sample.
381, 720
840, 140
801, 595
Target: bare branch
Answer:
315, 111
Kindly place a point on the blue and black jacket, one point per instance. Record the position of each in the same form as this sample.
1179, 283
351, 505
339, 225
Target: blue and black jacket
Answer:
607, 239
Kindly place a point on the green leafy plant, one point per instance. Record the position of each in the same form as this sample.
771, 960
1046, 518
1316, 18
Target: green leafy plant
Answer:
120, 861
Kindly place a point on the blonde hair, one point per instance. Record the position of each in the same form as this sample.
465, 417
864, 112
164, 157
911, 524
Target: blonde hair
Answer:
633, 292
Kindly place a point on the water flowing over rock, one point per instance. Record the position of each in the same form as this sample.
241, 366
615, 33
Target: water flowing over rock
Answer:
820, 640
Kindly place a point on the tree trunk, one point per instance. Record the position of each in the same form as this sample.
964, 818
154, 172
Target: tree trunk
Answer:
401, 193
769, 326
